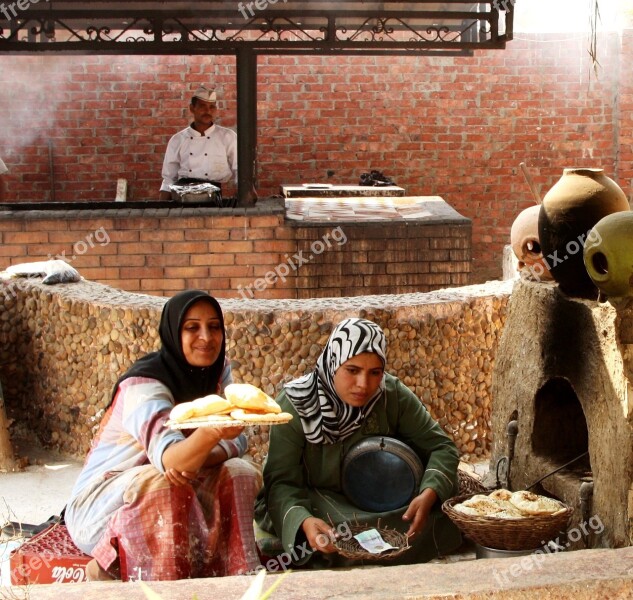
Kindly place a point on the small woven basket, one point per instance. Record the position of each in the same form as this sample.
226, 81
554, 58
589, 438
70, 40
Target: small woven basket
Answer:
352, 549
527, 533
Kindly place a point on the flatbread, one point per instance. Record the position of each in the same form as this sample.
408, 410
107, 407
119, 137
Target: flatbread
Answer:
501, 494
200, 407
467, 510
181, 412
210, 405
534, 504
250, 398
483, 505
239, 414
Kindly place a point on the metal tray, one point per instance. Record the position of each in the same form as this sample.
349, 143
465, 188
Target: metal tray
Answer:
206, 422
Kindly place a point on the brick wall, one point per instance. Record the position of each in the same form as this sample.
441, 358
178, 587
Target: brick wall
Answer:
240, 253
384, 259
457, 127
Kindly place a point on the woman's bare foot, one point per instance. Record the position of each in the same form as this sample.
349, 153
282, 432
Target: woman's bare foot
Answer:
94, 572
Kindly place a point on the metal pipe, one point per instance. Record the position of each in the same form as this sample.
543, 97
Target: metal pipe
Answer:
512, 430
504, 462
246, 125
573, 460
586, 502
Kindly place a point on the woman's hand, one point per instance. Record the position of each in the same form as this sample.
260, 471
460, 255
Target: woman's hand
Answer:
191, 454
319, 534
228, 433
179, 478
418, 511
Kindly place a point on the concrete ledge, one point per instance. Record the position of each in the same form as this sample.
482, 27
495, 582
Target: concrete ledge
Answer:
582, 575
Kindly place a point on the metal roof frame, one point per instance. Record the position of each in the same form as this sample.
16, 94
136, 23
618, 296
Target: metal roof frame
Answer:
248, 28
349, 27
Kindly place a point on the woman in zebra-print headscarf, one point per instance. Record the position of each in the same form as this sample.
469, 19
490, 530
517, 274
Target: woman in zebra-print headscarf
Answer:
347, 399
326, 415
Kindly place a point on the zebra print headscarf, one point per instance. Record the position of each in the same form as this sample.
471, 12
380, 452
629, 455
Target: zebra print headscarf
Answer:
325, 418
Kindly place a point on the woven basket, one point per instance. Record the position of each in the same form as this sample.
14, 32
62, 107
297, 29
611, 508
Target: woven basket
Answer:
469, 485
352, 549
508, 534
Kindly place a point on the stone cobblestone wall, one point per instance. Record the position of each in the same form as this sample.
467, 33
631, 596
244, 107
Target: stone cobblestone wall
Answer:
62, 348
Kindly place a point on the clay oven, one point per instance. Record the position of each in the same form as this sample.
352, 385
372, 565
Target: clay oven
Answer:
562, 402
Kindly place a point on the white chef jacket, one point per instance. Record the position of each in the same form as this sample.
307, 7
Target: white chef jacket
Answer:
211, 156
3, 168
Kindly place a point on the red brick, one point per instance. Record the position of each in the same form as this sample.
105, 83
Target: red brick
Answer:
206, 234
101, 273
162, 235
213, 259
12, 225
225, 222
230, 247
36, 237
45, 225
145, 249
230, 271
86, 260
267, 221
126, 285
126, 260
280, 246
13, 250
168, 285
187, 272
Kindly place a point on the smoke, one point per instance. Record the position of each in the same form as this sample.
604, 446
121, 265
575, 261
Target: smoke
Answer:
568, 16
31, 91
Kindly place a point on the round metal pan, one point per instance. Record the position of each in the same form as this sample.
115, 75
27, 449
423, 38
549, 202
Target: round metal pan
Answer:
381, 474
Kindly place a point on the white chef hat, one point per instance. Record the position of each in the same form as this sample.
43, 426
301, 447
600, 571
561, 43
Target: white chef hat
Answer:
205, 94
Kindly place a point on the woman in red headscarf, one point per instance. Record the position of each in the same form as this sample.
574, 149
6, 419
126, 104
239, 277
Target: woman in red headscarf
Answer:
155, 504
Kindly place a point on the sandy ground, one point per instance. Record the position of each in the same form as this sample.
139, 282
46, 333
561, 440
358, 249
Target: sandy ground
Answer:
40, 490
33, 495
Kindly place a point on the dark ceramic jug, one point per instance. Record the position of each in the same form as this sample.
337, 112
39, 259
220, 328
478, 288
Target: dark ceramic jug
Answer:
578, 200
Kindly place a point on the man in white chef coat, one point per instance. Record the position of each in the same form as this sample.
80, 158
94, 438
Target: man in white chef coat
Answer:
204, 151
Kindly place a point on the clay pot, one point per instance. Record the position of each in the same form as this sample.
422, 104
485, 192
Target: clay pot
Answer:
579, 199
526, 245
608, 255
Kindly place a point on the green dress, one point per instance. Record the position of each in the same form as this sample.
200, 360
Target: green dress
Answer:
303, 479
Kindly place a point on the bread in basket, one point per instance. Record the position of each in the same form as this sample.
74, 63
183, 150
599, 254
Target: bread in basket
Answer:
506, 529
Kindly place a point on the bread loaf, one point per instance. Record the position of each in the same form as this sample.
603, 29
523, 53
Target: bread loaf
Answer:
250, 398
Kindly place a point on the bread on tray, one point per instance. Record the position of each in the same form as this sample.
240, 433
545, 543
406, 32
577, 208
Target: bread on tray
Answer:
244, 404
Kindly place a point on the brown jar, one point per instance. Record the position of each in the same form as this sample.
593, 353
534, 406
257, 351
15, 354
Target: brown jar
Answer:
578, 200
